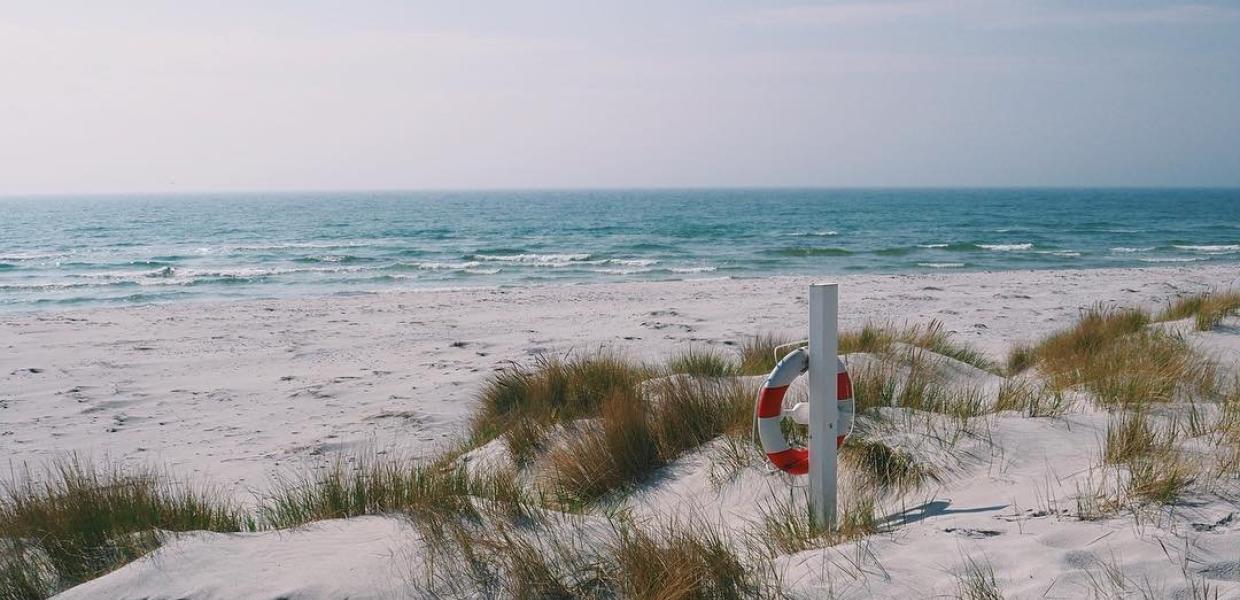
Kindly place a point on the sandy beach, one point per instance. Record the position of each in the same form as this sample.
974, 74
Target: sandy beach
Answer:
231, 391
236, 393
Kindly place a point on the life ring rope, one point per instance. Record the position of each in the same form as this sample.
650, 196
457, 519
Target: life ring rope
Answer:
770, 411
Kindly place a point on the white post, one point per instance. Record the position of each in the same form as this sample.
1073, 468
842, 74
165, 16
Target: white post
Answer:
824, 408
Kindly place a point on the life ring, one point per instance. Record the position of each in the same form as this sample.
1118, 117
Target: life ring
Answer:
771, 411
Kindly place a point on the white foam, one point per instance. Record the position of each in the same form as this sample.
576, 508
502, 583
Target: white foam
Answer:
302, 245
941, 265
1174, 259
621, 271
1005, 247
28, 256
1129, 250
1215, 249
932, 245
693, 269
535, 259
445, 266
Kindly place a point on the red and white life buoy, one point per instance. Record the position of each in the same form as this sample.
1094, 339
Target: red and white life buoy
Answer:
771, 411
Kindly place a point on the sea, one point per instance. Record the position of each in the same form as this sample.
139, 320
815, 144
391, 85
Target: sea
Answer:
60, 252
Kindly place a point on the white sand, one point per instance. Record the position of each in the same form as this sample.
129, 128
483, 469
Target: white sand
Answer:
232, 392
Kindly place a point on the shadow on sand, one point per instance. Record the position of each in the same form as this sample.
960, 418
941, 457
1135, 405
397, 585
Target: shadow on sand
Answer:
934, 508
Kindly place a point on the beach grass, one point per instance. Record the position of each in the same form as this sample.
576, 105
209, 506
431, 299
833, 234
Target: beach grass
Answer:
909, 378
880, 338
78, 521
687, 559
977, 581
885, 468
1147, 462
1110, 353
758, 353
1207, 309
618, 451
788, 526
681, 560
1096, 329
1031, 398
1132, 436
703, 361
635, 434
521, 401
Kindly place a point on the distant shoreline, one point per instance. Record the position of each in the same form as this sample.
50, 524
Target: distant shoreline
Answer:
397, 294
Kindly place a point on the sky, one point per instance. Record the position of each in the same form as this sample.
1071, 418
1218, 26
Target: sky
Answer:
132, 96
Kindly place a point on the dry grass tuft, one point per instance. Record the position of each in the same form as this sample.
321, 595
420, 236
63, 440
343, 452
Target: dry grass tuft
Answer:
1207, 309
686, 561
637, 435
757, 354
1110, 353
1020, 358
886, 468
977, 582
703, 362
432, 493
613, 454
1225, 432
788, 526
881, 338
78, 522
1132, 436
908, 378
1160, 478
1032, 399
1157, 470
520, 401
675, 560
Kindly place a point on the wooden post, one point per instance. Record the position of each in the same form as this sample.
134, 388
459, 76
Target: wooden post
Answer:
824, 411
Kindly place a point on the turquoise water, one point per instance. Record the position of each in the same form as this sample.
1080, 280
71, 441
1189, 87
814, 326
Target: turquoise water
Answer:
58, 252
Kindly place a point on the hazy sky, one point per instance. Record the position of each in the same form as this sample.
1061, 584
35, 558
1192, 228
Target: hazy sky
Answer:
192, 96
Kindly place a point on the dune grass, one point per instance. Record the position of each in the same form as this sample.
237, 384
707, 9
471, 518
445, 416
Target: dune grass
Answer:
675, 559
908, 378
79, 521
884, 468
1207, 309
621, 450
1097, 329
365, 487
636, 434
1144, 459
1225, 432
1110, 353
789, 527
1132, 436
977, 582
520, 401
757, 353
1033, 399
879, 338
702, 361
680, 560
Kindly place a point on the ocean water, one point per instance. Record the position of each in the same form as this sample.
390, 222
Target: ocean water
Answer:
89, 251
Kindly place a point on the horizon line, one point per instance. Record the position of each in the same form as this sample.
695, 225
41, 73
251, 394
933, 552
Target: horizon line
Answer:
326, 191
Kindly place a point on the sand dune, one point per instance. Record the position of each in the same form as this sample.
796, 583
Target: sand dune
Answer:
233, 392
